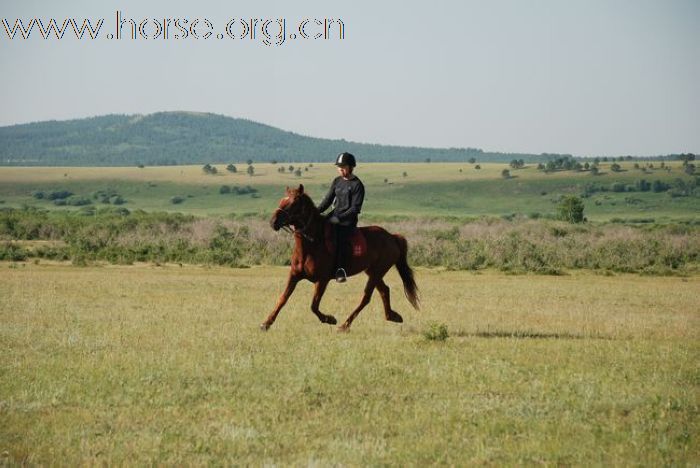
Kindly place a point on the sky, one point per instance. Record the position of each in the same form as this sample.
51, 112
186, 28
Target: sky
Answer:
581, 77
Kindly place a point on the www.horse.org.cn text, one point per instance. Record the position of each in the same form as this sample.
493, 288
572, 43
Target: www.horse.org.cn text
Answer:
266, 31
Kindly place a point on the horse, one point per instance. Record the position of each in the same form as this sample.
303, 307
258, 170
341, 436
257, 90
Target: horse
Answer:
312, 261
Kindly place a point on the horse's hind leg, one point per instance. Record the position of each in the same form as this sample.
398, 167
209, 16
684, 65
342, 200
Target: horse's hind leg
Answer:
389, 314
369, 289
318, 294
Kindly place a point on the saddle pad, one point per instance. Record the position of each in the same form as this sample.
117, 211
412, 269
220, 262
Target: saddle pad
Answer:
357, 241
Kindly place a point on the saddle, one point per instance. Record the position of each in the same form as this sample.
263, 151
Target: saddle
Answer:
357, 241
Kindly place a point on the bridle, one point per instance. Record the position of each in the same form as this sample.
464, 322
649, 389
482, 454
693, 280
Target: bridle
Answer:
291, 219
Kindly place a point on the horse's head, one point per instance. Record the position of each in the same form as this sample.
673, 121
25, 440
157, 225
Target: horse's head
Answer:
292, 210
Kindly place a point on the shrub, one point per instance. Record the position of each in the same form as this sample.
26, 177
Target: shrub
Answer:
436, 332
618, 187
209, 169
177, 199
59, 195
224, 189
571, 209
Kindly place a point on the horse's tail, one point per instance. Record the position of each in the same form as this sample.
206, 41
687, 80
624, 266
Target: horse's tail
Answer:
409, 283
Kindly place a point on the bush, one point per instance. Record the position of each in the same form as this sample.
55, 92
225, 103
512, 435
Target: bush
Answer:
571, 209
59, 195
618, 187
176, 200
224, 189
436, 332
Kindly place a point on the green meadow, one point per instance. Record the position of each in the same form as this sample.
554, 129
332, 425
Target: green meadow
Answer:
426, 190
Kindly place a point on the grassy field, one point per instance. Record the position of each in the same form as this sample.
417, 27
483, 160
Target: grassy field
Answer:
124, 365
428, 189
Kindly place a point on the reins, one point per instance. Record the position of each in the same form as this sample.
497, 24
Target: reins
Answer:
293, 219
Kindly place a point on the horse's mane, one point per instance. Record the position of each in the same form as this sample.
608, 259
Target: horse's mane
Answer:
308, 201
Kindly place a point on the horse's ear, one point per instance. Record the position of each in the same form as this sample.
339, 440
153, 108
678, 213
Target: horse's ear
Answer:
301, 189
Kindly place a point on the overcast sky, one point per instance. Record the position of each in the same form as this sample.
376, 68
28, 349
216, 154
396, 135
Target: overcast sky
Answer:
586, 77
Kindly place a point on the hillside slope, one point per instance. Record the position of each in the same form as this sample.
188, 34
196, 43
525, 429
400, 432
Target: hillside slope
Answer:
168, 138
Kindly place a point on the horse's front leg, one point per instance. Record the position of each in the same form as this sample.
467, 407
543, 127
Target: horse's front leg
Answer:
291, 284
318, 294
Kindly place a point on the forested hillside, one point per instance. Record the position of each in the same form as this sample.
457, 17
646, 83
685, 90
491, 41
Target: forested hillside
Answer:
169, 138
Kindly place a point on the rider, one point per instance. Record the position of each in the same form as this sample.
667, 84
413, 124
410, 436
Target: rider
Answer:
348, 192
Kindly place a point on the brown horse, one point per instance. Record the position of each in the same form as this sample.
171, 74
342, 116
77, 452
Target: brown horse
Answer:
312, 261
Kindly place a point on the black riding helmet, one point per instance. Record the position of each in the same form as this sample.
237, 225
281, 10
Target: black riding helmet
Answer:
345, 159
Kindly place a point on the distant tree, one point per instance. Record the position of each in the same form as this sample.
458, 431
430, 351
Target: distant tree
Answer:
405, 174
658, 186
224, 189
689, 169
140, 166
643, 185
517, 163
297, 173
274, 161
505, 173
636, 165
427, 160
250, 170
615, 167
687, 158
249, 162
540, 167
595, 171
477, 167
571, 209
209, 169
586, 166
291, 168
386, 181
472, 160
231, 168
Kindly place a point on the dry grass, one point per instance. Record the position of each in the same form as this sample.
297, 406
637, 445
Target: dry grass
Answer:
147, 365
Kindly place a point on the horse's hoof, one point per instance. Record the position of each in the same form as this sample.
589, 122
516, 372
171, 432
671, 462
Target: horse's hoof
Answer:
395, 317
330, 320
264, 326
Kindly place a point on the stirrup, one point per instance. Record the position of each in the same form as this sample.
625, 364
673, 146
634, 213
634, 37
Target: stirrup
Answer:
340, 275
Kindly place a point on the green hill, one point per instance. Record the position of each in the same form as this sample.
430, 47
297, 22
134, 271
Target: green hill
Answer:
169, 138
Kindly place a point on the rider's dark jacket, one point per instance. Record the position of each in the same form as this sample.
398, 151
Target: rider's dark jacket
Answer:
348, 196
